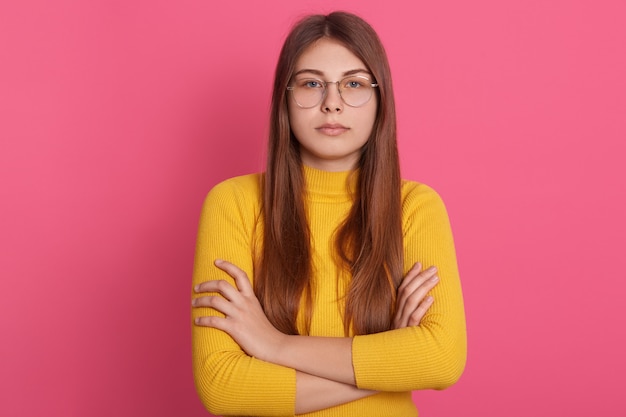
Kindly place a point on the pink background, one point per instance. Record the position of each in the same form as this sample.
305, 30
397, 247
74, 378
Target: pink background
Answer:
116, 118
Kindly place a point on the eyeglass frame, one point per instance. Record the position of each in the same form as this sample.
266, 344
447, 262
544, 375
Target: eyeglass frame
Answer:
325, 85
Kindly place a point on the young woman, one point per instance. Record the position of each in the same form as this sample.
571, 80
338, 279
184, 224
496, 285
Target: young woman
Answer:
326, 285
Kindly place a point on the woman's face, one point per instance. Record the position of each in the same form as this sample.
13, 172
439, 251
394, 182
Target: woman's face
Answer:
332, 133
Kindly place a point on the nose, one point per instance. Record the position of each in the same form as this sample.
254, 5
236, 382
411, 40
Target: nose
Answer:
332, 101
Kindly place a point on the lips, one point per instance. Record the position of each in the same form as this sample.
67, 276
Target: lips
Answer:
332, 129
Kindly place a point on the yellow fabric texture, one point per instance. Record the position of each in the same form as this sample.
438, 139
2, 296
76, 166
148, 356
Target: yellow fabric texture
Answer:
429, 356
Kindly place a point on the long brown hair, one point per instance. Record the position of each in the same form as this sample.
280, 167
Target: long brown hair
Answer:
369, 242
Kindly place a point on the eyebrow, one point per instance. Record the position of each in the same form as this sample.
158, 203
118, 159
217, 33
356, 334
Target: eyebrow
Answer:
321, 73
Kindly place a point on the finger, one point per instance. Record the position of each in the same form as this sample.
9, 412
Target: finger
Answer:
413, 272
407, 280
414, 281
240, 277
219, 286
399, 322
417, 296
412, 300
212, 321
416, 317
217, 303
411, 283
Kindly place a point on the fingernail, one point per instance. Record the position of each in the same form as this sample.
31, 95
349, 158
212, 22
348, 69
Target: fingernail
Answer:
193, 302
417, 265
197, 320
435, 278
432, 269
196, 288
218, 261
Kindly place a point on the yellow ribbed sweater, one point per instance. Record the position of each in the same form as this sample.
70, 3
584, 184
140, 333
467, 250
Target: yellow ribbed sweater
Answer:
429, 356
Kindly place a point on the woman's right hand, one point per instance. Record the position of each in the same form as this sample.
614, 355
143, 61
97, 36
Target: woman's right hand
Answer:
412, 301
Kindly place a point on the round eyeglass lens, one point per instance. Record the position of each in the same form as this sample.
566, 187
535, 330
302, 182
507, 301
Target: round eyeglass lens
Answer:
356, 91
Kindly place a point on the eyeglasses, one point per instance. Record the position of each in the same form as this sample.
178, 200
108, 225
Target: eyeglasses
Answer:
355, 91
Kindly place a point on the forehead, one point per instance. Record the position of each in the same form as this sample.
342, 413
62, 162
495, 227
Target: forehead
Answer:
329, 57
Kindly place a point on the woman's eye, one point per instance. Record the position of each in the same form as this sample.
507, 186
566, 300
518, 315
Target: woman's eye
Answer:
311, 84
354, 84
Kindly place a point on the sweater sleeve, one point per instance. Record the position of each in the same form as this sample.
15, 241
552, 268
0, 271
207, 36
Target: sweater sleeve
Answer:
228, 381
433, 354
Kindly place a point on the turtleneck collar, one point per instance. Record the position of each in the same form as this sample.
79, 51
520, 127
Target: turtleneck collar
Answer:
330, 186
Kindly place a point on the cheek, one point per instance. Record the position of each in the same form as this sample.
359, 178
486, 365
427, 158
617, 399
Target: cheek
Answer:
298, 120
369, 119
292, 116
294, 123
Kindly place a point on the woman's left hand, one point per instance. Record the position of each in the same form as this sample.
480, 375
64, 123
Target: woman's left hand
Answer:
245, 319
